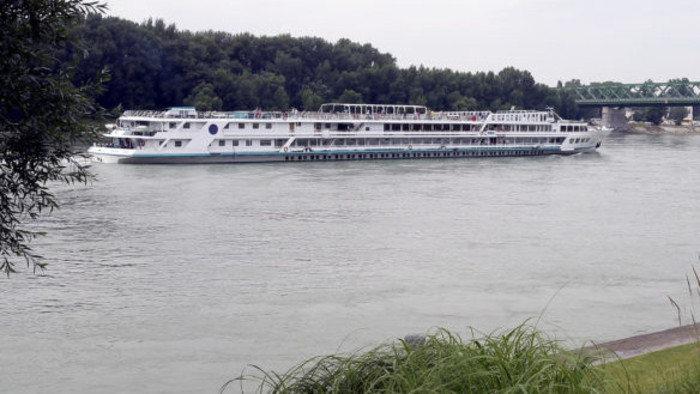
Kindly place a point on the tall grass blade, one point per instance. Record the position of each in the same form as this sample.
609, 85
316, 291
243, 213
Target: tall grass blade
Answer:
690, 290
678, 309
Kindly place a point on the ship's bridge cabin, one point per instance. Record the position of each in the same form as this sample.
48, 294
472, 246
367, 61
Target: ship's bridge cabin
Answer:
373, 109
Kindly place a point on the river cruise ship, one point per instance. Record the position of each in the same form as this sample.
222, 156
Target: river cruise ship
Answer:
339, 132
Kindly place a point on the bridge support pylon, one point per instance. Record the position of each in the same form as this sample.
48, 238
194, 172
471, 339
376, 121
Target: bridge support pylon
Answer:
614, 118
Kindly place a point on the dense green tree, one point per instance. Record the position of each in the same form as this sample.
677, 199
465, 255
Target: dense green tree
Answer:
310, 101
350, 96
682, 86
203, 98
226, 87
161, 66
573, 83
281, 99
516, 87
268, 85
133, 55
247, 92
677, 114
42, 115
646, 90
566, 104
654, 115
638, 115
292, 69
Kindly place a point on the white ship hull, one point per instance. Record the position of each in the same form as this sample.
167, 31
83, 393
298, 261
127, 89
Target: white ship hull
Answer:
188, 137
105, 156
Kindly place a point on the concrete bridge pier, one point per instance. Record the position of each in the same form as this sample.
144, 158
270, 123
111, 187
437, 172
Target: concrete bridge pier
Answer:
614, 118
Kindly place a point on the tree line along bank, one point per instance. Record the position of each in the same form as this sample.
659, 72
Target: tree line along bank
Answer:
153, 66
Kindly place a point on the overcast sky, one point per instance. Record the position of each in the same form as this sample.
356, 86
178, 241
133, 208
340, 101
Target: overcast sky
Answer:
593, 40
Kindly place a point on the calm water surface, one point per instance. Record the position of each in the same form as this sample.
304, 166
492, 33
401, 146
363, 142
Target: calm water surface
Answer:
174, 278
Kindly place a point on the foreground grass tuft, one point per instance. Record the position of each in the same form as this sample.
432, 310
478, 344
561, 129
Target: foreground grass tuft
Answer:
521, 360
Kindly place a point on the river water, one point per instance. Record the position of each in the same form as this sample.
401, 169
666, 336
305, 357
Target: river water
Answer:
175, 278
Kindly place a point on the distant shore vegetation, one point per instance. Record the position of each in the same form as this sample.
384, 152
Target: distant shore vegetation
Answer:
154, 66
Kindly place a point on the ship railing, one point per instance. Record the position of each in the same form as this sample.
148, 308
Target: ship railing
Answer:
521, 117
501, 116
170, 115
477, 116
143, 113
473, 116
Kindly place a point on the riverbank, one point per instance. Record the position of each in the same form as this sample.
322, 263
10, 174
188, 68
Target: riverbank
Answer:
646, 129
648, 343
660, 362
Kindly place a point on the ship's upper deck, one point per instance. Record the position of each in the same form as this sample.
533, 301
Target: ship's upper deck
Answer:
337, 112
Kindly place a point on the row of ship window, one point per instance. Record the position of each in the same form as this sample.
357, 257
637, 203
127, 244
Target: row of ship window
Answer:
199, 125
413, 155
463, 127
408, 127
311, 142
579, 140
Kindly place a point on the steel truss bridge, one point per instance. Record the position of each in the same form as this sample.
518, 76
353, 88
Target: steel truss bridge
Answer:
637, 95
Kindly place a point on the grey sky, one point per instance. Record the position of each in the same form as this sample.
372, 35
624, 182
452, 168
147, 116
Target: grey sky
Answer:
593, 40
